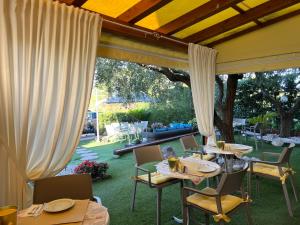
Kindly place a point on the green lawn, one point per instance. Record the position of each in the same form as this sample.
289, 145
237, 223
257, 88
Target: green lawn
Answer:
268, 208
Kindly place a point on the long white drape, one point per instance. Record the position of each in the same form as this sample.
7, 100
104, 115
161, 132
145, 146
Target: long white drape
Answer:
47, 59
202, 64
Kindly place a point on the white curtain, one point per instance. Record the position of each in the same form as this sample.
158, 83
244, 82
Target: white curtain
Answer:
202, 64
47, 59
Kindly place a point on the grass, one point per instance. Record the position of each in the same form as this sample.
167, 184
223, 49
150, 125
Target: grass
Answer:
115, 193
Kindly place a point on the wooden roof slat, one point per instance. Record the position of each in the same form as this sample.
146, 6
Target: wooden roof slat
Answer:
246, 31
241, 19
241, 11
200, 13
141, 10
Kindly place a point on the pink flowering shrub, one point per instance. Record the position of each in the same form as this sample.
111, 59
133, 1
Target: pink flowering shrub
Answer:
97, 170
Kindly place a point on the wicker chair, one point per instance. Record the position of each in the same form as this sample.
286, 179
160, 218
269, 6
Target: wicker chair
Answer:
190, 145
279, 170
69, 186
154, 180
218, 202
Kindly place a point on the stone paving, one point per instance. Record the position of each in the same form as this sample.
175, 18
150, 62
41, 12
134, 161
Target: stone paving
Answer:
84, 154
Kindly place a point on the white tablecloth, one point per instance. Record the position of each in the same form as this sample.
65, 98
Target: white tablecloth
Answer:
192, 164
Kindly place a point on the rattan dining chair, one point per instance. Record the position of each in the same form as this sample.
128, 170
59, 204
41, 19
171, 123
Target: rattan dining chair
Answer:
219, 202
77, 186
278, 170
189, 143
155, 180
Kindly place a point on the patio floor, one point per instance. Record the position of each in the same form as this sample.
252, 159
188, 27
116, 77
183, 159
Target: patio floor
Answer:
115, 193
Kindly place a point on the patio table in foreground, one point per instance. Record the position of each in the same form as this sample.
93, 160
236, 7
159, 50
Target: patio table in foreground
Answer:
94, 214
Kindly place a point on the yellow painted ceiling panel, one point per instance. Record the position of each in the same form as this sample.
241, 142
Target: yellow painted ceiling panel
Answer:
112, 8
280, 13
210, 21
248, 4
228, 33
169, 12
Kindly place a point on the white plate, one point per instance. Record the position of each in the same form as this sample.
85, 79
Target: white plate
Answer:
59, 205
204, 168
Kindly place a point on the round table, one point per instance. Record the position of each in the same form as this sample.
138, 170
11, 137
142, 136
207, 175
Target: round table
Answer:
229, 151
192, 164
96, 214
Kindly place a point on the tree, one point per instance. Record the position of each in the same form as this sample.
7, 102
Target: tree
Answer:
282, 89
171, 101
224, 104
223, 116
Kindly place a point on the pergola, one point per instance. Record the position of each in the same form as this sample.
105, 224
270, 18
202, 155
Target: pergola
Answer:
249, 35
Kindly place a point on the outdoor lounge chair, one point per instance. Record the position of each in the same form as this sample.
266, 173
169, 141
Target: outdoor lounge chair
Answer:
279, 170
219, 202
190, 145
153, 180
77, 186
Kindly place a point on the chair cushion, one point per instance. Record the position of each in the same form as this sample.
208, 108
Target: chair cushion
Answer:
267, 169
156, 178
228, 202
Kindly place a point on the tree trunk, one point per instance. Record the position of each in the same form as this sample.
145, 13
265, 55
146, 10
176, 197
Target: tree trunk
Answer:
225, 129
223, 117
286, 122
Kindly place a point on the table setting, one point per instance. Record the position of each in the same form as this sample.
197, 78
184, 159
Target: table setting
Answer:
61, 211
190, 168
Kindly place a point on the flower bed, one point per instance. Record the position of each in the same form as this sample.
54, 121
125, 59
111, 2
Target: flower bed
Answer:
97, 170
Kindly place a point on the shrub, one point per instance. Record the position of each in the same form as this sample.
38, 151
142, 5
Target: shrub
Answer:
97, 170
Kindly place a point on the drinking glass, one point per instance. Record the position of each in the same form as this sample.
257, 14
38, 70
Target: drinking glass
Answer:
221, 144
173, 161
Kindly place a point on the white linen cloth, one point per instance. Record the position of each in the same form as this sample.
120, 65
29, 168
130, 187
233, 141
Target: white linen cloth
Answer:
202, 64
47, 59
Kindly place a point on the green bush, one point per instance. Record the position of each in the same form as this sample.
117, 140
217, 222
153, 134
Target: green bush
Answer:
297, 126
267, 120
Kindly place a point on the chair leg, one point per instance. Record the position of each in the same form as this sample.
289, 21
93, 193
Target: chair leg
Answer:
287, 199
185, 214
249, 183
158, 206
257, 179
133, 196
206, 219
248, 214
293, 182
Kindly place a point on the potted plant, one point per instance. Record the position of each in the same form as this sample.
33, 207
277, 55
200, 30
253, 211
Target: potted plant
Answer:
97, 170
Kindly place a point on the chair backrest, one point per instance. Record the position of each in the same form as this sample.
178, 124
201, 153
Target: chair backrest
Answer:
110, 131
77, 186
286, 154
147, 154
232, 182
145, 124
240, 121
188, 142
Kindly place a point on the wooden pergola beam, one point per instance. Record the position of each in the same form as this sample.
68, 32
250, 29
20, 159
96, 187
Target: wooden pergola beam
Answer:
264, 24
200, 13
241, 19
114, 26
141, 10
76, 3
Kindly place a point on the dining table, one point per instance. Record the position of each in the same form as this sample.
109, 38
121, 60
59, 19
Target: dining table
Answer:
84, 212
196, 170
228, 153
